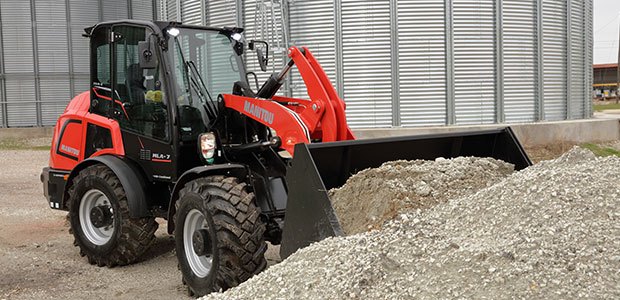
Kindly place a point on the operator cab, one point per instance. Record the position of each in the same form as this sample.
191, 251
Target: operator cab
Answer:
161, 81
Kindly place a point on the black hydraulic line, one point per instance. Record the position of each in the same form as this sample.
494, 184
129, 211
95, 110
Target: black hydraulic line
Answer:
195, 87
185, 69
210, 103
275, 81
191, 72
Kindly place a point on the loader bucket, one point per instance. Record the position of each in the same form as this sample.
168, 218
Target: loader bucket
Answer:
317, 168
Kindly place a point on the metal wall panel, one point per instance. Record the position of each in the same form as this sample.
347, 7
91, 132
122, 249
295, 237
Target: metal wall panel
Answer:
577, 61
495, 56
554, 59
2, 105
221, 13
21, 106
45, 59
506, 66
81, 86
422, 57
51, 21
588, 36
520, 57
53, 59
192, 12
170, 10
17, 36
474, 61
84, 13
366, 52
142, 9
18, 63
115, 10
55, 94
310, 24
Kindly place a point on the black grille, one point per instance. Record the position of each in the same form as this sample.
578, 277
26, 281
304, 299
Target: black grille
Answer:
145, 154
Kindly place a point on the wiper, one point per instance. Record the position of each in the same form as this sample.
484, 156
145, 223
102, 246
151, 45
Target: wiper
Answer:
198, 86
201, 89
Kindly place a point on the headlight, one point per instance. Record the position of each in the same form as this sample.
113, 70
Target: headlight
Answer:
207, 146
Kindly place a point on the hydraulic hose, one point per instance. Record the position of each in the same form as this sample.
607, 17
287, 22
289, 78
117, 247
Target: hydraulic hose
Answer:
275, 81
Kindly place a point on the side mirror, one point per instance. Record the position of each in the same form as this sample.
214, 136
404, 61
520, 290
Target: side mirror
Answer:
147, 57
262, 58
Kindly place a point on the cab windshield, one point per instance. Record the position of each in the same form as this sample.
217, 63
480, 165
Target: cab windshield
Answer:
205, 66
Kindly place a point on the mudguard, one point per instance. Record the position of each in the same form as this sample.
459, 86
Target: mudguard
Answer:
130, 177
234, 170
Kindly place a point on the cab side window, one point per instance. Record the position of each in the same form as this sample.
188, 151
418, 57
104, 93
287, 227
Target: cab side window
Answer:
101, 74
123, 89
139, 89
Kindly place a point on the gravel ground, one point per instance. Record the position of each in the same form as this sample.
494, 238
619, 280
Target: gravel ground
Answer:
373, 196
538, 248
37, 256
550, 231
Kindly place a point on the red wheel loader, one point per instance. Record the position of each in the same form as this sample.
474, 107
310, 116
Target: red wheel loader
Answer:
170, 128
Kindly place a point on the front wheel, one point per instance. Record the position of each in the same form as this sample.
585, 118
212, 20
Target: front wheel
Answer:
100, 221
218, 235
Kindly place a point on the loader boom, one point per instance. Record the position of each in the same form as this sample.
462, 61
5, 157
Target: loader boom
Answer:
322, 118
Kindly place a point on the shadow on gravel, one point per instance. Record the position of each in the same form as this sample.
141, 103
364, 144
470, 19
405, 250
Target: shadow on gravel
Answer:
161, 245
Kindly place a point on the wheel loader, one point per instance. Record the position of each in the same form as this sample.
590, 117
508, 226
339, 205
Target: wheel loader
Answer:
171, 128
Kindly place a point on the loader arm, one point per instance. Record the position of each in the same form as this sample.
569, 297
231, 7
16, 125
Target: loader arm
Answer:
321, 118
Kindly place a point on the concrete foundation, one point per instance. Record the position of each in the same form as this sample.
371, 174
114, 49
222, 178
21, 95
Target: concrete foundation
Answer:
26, 133
601, 129
529, 134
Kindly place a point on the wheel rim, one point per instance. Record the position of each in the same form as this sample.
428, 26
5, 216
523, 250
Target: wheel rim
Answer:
200, 265
96, 235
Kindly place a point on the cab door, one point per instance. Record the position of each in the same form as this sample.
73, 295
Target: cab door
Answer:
140, 100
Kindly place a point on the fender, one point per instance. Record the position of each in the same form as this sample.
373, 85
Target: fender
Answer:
130, 177
235, 170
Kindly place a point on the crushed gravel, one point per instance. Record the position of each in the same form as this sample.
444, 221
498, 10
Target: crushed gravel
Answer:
373, 196
550, 231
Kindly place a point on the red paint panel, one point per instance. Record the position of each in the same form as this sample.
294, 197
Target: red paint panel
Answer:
161, 160
70, 133
71, 140
274, 115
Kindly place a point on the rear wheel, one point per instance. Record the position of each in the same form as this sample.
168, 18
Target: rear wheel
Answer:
100, 222
219, 235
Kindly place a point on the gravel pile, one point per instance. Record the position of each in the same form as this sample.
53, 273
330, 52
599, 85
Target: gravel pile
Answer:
550, 231
373, 196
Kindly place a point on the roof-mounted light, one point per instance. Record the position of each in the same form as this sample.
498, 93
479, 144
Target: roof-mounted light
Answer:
236, 36
173, 31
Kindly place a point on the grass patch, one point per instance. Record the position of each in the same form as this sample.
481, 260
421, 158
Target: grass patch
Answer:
602, 107
41, 148
601, 151
20, 144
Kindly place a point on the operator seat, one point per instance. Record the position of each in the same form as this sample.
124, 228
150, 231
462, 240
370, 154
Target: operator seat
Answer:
134, 79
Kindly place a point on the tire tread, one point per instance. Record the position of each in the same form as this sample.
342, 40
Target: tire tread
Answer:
239, 230
137, 234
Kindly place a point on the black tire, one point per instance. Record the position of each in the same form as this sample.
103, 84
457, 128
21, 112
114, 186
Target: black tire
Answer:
125, 239
235, 232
